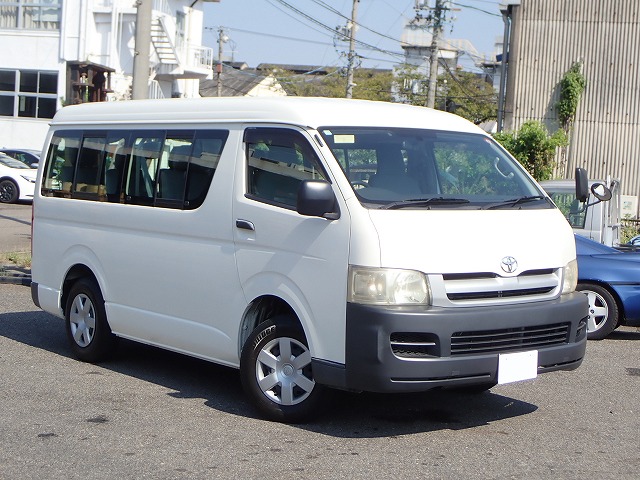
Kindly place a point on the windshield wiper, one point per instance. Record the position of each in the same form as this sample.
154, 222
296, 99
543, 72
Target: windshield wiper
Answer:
513, 202
424, 202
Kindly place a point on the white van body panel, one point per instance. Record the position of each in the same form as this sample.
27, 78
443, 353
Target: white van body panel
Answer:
158, 289
299, 257
423, 236
303, 112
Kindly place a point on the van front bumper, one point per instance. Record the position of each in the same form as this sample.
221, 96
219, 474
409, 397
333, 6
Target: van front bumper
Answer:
396, 349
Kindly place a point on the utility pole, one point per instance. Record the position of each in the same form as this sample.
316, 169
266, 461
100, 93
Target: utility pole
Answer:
222, 39
437, 20
352, 52
140, 87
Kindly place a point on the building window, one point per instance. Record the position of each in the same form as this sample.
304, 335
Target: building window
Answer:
28, 93
30, 14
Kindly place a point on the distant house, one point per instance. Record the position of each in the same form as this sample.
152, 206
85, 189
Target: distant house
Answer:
242, 82
62, 52
546, 39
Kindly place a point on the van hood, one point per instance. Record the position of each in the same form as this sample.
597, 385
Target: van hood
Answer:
473, 241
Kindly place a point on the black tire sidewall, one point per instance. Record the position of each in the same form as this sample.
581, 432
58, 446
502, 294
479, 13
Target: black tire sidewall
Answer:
16, 191
103, 340
263, 334
613, 312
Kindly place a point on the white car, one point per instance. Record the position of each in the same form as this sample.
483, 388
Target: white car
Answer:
17, 180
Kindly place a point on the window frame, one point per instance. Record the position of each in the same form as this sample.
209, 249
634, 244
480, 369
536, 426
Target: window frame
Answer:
23, 95
21, 7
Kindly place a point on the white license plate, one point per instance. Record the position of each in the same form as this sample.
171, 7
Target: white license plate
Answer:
513, 367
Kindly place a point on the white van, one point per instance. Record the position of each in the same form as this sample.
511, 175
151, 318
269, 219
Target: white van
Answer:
309, 242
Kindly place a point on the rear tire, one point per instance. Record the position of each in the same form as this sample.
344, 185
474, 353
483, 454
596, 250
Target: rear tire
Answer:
9, 192
603, 311
275, 369
88, 332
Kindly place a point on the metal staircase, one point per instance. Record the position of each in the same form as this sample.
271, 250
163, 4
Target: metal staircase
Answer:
165, 49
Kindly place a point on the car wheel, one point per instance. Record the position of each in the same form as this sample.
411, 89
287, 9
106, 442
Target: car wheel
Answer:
9, 192
88, 332
276, 374
603, 311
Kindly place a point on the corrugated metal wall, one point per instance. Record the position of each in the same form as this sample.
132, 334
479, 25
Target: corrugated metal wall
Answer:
548, 36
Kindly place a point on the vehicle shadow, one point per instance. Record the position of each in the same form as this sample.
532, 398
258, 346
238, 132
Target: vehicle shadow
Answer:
625, 333
346, 415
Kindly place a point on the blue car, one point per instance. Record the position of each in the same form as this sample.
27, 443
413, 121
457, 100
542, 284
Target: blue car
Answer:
611, 281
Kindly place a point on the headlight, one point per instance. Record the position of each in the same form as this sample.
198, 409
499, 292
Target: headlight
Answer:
388, 286
570, 277
29, 179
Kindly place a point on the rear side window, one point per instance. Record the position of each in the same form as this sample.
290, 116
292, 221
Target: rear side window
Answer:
161, 168
278, 159
61, 164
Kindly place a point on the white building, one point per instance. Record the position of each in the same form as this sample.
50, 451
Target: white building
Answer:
61, 52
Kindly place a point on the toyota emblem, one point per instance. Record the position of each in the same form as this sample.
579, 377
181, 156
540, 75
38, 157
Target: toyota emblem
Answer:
509, 264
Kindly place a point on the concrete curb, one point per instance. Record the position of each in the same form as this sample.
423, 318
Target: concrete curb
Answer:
15, 275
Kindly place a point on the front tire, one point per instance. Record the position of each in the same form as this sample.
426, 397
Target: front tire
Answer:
276, 374
9, 191
603, 311
88, 332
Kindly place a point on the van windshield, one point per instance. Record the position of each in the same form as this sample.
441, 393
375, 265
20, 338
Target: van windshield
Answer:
416, 168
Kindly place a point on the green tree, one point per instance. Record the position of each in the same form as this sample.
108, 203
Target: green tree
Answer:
533, 147
370, 84
463, 93
468, 95
571, 86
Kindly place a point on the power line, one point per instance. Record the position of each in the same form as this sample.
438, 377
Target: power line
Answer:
317, 22
476, 8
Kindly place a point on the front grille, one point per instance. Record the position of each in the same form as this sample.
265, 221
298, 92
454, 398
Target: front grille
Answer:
490, 288
498, 341
500, 293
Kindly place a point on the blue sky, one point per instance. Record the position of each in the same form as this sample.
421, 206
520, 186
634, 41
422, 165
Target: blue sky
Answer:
269, 31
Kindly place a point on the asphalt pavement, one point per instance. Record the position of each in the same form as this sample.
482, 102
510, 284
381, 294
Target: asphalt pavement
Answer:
15, 236
149, 413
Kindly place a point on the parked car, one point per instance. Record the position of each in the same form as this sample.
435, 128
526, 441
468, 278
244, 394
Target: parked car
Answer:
17, 180
30, 158
611, 280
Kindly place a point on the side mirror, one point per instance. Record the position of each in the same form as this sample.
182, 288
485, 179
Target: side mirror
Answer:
601, 192
582, 185
316, 199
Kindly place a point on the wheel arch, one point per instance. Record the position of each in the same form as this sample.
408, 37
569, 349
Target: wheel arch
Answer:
262, 308
75, 273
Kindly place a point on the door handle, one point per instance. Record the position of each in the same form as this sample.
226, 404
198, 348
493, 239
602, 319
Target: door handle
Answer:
245, 225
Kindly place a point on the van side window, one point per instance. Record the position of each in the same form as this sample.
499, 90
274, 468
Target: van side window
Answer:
116, 153
161, 168
146, 153
61, 162
207, 148
278, 159
88, 179
172, 174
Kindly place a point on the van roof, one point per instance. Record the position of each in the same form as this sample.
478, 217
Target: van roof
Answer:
301, 111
